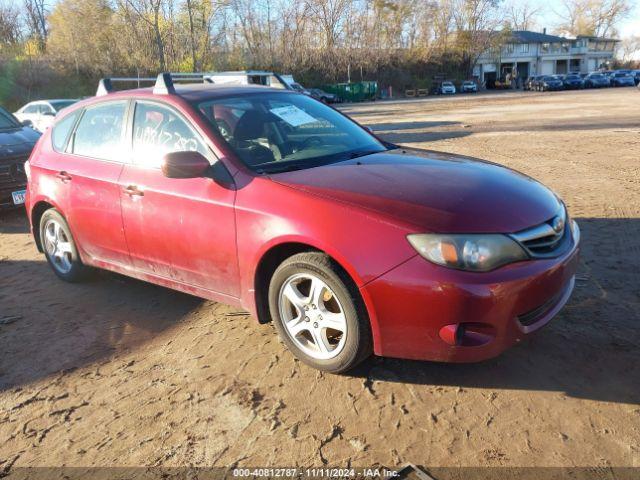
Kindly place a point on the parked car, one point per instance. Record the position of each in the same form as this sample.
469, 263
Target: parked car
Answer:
549, 82
622, 79
348, 244
572, 81
636, 76
469, 86
16, 142
596, 80
42, 112
323, 96
447, 88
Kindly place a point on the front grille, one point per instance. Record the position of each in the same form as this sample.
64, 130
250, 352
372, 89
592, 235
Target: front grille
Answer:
547, 239
12, 171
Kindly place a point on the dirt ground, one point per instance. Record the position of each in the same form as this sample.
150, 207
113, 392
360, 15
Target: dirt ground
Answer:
119, 372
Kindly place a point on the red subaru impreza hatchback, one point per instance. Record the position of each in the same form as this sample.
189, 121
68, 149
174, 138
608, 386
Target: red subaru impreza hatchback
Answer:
274, 202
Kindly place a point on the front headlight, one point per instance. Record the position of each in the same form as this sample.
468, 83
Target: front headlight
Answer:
474, 252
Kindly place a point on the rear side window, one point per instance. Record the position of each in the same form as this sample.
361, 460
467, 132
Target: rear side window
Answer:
61, 131
159, 130
99, 133
31, 109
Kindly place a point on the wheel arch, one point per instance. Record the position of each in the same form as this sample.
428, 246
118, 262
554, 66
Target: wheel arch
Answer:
274, 255
36, 214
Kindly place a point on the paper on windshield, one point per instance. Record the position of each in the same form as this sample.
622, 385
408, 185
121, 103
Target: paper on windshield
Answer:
293, 115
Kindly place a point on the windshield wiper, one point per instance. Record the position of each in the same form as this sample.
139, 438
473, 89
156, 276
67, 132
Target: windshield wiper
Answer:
279, 169
364, 153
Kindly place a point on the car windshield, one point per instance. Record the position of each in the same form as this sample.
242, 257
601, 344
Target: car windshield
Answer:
595, 75
273, 132
447, 84
573, 77
618, 75
547, 78
7, 120
60, 104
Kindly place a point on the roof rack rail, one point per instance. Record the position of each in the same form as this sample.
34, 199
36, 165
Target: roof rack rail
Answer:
163, 82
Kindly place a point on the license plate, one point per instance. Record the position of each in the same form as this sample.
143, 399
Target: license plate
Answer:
18, 197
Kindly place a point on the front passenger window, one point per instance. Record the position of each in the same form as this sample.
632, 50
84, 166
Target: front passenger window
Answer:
99, 133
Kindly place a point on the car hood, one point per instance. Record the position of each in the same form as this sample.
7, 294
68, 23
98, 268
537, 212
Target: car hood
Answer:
432, 191
17, 141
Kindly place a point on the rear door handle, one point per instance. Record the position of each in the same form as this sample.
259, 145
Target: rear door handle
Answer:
64, 176
133, 190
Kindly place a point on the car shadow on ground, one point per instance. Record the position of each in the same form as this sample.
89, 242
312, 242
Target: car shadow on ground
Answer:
48, 326
393, 126
590, 350
405, 132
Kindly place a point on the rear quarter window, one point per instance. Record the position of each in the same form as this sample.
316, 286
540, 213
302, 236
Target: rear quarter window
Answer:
61, 131
99, 132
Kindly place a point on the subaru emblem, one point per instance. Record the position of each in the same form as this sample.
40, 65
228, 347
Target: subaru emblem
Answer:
558, 224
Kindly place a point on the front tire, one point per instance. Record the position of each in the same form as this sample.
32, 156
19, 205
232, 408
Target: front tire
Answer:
60, 248
318, 313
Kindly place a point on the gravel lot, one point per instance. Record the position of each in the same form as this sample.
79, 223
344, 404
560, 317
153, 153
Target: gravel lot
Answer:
119, 372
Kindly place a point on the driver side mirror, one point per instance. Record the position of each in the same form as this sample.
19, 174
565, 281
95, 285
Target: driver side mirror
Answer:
184, 165
27, 123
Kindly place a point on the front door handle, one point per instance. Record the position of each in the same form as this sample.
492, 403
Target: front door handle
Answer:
133, 191
64, 176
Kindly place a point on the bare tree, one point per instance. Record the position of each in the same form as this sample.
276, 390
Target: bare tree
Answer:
476, 23
150, 13
592, 17
36, 13
521, 15
10, 28
630, 49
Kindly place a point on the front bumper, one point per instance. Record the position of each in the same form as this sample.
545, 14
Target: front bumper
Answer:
418, 305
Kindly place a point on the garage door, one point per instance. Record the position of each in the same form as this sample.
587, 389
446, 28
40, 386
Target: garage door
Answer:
547, 67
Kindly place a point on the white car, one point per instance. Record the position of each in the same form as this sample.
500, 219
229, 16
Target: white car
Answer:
42, 112
447, 87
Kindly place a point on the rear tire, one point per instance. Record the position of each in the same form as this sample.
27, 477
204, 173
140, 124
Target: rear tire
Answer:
60, 248
318, 313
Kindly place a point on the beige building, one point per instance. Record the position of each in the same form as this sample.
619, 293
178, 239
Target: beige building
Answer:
534, 53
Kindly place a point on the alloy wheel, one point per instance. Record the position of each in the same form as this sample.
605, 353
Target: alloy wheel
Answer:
312, 316
58, 246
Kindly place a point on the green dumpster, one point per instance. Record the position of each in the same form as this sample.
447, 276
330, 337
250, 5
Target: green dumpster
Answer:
353, 92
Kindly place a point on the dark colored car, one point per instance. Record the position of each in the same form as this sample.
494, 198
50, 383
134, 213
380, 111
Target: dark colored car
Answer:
636, 76
572, 81
323, 96
622, 79
549, 82
16, 142
596, 80
349, 244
